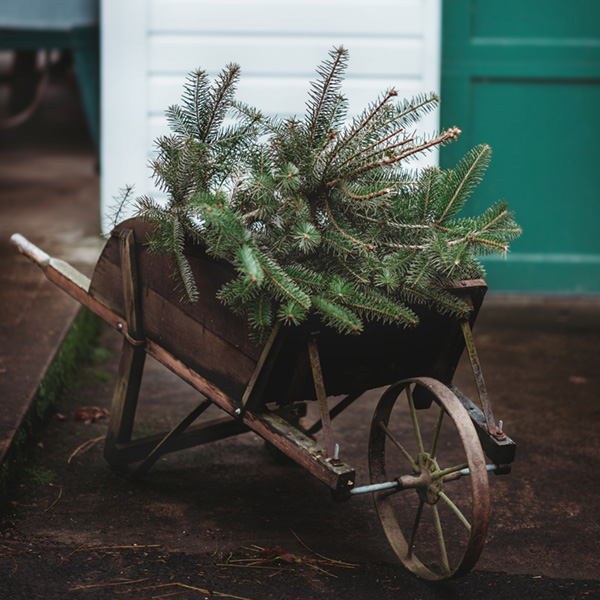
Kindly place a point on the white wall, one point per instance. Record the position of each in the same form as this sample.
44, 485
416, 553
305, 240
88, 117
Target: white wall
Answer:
148, 47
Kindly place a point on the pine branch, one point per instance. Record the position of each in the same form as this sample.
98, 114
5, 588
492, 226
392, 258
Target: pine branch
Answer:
282, 284
221, 97
318, 216
122, 203
469, 172
448, 135
324, 90
337, 316
345, 234
361, 125
183, 272
250, 265
194, 99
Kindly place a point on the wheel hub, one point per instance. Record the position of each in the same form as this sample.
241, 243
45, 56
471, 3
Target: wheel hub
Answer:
432, 485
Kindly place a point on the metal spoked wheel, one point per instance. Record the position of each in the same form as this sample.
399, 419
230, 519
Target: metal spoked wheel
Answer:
434, 505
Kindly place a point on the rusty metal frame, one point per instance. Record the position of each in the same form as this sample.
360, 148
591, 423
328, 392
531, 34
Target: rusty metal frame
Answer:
479, 381
315, 364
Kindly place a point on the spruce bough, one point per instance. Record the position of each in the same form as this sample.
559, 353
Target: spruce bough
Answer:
318, 214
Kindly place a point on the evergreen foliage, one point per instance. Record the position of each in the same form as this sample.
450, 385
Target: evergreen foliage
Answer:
319, 215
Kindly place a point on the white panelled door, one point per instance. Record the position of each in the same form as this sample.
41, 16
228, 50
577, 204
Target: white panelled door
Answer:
149, 46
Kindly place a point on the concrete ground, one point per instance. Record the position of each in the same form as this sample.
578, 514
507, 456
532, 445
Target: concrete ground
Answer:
194, 525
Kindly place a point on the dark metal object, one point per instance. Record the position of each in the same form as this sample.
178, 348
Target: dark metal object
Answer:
500, 450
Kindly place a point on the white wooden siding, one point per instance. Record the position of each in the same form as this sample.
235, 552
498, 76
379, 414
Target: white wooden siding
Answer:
148, 47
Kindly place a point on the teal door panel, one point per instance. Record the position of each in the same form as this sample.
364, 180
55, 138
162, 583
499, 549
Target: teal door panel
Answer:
524, 77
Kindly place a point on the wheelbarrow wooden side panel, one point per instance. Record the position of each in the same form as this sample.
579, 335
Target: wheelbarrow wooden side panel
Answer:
206, 336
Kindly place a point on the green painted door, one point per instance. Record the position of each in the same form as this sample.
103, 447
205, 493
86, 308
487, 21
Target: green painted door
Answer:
524, 77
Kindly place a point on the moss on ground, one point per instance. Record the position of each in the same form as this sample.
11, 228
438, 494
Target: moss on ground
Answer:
77, 348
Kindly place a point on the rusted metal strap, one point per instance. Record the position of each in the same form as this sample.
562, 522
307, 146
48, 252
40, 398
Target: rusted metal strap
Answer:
336, 410
479, 382
133, 341
250, 397
315, 363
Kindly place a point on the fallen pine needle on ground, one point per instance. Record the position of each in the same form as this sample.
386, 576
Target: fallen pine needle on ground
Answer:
185, 586
108, 584
278, 559
93, 548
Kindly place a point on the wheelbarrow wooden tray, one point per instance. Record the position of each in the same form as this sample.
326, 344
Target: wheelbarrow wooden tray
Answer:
209, 339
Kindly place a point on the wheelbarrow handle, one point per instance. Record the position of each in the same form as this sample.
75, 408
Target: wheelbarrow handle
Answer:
69, 279
37, 255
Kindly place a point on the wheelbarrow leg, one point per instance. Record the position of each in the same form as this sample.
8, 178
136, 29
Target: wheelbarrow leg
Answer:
133, 356
124, 402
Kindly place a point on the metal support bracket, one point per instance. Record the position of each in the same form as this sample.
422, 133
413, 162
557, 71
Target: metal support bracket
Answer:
315, 364
479, 382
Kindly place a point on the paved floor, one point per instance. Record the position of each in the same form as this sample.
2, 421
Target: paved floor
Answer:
540, 359
49, 192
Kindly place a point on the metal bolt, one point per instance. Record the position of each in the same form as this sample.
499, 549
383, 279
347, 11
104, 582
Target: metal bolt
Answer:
336, 454
119, 326
500, 425
238, 411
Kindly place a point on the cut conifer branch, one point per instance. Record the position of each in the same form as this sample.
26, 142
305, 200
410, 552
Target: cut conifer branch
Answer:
319, 213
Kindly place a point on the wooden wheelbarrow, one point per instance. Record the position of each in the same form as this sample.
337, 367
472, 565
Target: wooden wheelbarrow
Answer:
428, 442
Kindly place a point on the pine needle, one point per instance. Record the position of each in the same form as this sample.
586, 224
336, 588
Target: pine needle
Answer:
85, 548
107, 584
331, 560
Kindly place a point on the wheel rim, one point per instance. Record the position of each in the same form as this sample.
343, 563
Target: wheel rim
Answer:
436, 520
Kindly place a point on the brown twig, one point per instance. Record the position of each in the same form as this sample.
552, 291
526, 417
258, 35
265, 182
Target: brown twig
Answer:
57, 499
317, 562
110, 584
14, 560
186, 587
85, 447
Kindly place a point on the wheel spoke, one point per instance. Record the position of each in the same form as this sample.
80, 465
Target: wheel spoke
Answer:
440, 534
436, 432
413, 533
456, 511
398, 445
415, 421
451, 470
